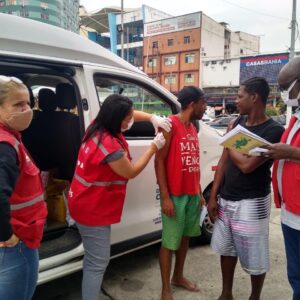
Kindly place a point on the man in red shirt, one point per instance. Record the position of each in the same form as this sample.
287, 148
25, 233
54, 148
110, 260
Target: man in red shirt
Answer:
178, 175
286, 173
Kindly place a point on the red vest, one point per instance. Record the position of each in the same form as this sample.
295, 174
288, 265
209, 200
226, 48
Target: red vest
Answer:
27, 206
183, 160
97, 193
290, 176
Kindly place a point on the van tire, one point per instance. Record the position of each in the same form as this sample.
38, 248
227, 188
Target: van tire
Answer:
207, 228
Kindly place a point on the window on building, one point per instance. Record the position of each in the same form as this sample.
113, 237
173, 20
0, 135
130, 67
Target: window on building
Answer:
186, 39
170, 42
152, 62
170, 79
190, 58
189, 78
11, 2
44, 5
241, 51
154, 77
170, 60
213, 62
24, 13
44, 16
2, 3
23, 2
155, 45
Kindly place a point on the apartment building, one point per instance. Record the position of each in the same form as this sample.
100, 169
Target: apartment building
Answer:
174, 48
61, 13
105, 28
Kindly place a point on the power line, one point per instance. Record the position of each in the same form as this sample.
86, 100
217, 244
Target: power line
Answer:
255, 11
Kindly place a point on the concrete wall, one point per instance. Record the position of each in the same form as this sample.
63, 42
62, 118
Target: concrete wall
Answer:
212, 39
243, 43
220, 73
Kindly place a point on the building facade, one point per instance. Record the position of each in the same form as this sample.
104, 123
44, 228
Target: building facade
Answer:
172, 51
61, 13
175, 48
105, 28
222, 78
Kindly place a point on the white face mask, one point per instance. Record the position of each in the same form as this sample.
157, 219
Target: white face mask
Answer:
130, 123
286, 94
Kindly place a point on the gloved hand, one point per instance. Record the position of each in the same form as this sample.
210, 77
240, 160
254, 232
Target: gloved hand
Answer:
161, 122
159, 141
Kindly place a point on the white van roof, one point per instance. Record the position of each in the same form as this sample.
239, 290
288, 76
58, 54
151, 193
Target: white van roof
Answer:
25, 36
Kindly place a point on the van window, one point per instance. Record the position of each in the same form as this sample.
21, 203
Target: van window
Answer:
143, 100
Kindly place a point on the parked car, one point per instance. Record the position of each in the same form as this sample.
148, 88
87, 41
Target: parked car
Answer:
281, 119
83, 74
221, 122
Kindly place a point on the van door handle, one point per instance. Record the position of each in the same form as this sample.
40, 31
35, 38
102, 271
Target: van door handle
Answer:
85, 104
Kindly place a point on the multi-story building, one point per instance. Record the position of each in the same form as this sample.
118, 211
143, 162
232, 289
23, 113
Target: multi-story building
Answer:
221, 78
175, 47
105, 28
61, 13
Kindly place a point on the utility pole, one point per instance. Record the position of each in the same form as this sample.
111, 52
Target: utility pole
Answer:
292, 49
293, 30
122, 29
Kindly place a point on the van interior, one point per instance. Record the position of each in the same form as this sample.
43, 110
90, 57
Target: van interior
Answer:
53, 140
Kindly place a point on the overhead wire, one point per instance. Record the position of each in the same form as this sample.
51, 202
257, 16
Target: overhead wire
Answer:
255, 11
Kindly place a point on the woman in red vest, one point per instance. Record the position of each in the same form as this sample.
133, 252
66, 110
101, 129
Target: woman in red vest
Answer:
22, 207
98, 189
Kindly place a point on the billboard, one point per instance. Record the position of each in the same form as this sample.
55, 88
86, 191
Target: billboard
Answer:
173, 24
267, 66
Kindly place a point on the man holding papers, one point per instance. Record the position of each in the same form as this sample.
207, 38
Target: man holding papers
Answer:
242, 185
286, 173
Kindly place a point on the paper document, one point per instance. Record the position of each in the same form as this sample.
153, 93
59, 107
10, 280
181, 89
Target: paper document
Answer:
257, 151
203, 214
242, 140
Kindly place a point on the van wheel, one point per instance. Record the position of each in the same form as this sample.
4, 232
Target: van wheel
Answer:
208, 226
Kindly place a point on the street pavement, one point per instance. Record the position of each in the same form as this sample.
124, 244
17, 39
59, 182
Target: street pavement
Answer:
136, 276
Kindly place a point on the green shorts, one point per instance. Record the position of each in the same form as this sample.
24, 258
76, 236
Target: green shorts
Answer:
185, 223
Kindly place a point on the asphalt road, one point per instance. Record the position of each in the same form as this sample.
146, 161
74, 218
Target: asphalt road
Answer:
136, 276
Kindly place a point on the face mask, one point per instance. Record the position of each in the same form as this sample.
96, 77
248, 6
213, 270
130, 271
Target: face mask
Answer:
286, 94
19, 120
130, 123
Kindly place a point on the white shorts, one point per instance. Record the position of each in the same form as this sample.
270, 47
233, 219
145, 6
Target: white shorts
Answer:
242, 230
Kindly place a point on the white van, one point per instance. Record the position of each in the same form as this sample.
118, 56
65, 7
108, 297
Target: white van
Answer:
72, 76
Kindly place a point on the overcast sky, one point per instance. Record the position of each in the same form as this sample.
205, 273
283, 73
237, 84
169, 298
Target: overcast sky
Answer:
269, 19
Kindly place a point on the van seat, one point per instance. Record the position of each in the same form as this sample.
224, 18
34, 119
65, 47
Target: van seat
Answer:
38, 137
47, 100
66, 96
67, 131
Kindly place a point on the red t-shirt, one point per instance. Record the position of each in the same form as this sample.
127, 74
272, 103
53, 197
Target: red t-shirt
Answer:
183, 161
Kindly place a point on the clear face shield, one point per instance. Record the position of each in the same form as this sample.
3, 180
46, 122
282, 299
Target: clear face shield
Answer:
285, 95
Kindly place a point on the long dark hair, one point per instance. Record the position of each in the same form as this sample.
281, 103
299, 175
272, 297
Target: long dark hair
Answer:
113, 111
